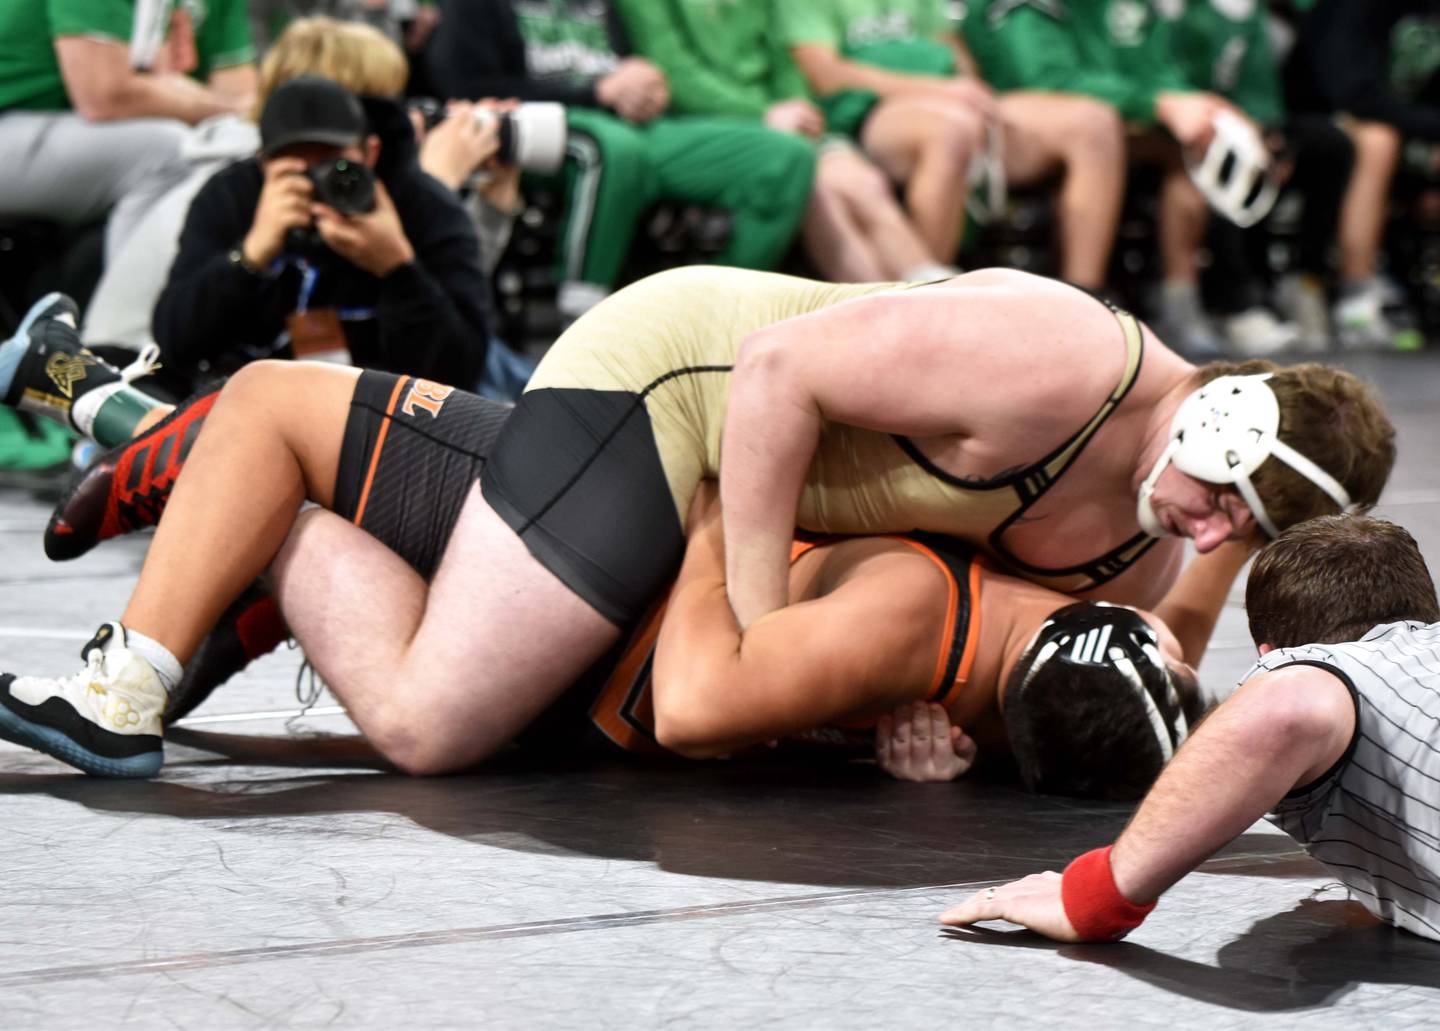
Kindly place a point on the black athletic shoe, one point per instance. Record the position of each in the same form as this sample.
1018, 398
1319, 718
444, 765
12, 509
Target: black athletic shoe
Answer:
127, 488
250, 628
56, 369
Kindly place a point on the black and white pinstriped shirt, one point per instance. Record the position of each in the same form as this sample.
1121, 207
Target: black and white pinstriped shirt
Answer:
1374, 818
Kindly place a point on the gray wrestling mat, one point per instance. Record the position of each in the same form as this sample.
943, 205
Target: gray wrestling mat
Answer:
257, 892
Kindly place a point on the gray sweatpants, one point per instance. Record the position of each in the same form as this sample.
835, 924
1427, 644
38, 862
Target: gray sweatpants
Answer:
58, 166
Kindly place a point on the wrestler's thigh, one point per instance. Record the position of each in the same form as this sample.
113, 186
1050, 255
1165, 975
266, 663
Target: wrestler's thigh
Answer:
501, 637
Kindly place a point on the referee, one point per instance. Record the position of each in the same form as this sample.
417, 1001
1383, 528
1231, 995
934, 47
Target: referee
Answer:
1332, 736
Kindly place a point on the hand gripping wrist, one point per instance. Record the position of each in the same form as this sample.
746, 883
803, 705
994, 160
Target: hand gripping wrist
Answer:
1093, 904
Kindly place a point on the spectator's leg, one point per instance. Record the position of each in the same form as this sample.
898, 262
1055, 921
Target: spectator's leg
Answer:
1324, 159
610, 182
63, 168
834, 239
1362, 215
1083, 141
927, 145
762, 177
856, 231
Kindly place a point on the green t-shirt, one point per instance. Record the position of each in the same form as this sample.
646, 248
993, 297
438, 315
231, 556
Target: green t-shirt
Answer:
1221, 46
850, 25
1114, 50
897, 35
222, 34
566, 40
1414, 55
719, 56
30, 70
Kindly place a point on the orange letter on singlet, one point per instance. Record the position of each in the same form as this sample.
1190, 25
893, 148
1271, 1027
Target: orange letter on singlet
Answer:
427, 395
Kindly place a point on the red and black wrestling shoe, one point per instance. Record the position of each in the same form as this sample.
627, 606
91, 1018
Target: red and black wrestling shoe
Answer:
126, 489
250, 628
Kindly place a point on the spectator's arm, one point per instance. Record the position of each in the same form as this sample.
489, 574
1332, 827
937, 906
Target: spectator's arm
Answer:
965, 63
431, 312
694, 88
209, 306
226, 49
1280, 730
1349, 51
103, 87
238, 83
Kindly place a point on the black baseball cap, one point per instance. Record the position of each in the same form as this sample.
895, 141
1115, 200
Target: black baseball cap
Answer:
311, 110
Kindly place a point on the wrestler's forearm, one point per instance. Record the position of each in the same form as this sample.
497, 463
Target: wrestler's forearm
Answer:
772, 429
1274, 733
1192, 606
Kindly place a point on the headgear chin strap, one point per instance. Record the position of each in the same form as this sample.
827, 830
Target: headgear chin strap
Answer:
1234, 175
1222, 433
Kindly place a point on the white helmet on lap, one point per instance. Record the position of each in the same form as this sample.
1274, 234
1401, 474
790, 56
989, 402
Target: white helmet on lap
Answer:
1221, 434
1234, 175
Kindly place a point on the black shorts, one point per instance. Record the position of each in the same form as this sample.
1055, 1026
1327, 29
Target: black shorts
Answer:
577, 474
412, 450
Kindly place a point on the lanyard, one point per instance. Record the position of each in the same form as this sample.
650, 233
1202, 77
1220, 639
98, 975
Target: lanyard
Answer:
309, 275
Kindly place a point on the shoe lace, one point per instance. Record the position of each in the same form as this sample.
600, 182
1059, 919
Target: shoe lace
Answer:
146, 362
94, 672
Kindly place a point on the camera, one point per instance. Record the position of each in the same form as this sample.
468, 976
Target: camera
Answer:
345, 185
532, 137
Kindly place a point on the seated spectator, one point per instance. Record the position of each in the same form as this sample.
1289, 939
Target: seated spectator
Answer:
1224, 48
353, 54
1118, 53
724, 61
94, 103
387, 277
626, 150
1373, 64
894, 74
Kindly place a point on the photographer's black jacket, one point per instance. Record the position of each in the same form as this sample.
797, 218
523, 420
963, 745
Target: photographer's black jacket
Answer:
429, 316
477, 51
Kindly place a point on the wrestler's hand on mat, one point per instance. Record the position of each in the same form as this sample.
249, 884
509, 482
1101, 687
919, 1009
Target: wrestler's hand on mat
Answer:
1032, 902
918, 742
374, 240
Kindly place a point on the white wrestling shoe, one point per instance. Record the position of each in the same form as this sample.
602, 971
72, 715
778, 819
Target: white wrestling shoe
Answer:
104, 720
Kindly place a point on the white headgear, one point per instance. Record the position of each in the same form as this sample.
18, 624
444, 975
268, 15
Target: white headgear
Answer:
1234, 175
1222, 433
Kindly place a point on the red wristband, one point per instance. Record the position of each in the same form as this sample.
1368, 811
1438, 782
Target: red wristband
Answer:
1093, 903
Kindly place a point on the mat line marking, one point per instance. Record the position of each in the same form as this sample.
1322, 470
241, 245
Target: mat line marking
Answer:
461, 936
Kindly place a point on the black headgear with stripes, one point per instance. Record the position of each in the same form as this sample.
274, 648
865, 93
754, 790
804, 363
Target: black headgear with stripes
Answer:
1092, 709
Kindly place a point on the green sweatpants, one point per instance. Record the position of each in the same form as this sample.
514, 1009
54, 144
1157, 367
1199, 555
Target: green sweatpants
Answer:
615, 171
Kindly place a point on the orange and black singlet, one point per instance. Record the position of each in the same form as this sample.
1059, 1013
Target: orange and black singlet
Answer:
613, 702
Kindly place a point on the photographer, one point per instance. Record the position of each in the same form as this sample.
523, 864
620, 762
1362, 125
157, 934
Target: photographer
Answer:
304, 252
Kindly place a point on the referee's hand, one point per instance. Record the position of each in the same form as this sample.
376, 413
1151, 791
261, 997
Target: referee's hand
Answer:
1032, 902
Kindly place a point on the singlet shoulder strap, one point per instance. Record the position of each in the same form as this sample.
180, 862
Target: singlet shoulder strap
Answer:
1050, 468
1030, 482
961, 635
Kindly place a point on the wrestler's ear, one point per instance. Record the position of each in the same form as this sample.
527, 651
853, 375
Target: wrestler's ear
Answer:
1266, 649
